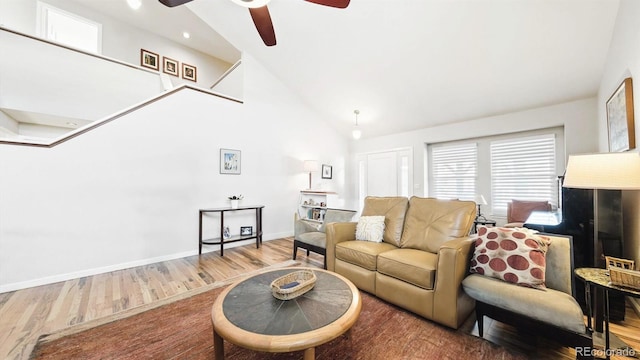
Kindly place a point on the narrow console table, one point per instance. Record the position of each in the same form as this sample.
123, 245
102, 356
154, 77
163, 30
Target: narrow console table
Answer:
257, 234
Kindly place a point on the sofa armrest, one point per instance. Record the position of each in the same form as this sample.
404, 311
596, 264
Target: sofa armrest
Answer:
337, 232
453, 266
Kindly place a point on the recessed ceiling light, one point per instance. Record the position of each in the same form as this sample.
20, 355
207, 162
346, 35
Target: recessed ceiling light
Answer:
186, 35
69, 123
134, 4
251, 3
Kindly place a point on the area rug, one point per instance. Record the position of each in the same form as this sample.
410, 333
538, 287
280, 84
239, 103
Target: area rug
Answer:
182, 330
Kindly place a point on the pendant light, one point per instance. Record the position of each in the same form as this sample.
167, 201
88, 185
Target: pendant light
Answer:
356, 133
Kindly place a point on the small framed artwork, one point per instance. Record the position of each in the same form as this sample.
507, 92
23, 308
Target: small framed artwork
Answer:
246, 230
149, 59
327, 171
189, 72
620, 121
230, 161
170, 66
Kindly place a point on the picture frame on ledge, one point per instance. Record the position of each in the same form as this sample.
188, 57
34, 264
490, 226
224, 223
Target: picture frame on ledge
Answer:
149, 59
189, 72
246, 230
230, 161
327, 171
620, 119
170, 66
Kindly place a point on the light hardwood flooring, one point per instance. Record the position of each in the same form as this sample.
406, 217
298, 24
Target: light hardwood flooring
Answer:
27, 314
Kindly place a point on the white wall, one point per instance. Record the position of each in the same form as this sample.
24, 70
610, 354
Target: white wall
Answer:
623, 61
129, 191
120, 40
578, 118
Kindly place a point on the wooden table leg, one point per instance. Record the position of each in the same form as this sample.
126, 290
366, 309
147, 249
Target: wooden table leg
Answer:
310, 354
218, 346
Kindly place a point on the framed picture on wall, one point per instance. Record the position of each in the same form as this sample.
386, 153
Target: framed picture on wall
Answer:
189, 72
620, 121
230, 161
149, 59
327, 171
170, 66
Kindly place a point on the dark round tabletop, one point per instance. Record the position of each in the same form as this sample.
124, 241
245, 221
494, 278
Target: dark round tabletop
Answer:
251, 306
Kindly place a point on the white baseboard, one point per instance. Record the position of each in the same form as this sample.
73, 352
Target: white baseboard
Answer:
635, 304
101, 270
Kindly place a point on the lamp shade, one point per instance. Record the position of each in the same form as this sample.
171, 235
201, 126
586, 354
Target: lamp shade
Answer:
609, 171
481, 200
311, 165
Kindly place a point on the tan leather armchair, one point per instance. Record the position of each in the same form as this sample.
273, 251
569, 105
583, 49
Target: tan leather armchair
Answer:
421, 262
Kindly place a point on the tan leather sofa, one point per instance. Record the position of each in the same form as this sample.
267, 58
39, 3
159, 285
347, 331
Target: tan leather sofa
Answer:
422, 260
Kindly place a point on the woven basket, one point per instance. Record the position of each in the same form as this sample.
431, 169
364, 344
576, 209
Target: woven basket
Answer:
620, 263
625, 277
292, 285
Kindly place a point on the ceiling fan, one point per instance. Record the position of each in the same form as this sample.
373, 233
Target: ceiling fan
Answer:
260, 14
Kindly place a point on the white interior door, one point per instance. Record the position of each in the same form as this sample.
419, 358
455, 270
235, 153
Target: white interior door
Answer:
387, 173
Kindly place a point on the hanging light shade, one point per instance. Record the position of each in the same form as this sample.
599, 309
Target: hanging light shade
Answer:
356, 132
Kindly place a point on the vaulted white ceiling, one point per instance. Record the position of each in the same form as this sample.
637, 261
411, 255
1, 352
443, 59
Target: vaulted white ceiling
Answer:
409, 64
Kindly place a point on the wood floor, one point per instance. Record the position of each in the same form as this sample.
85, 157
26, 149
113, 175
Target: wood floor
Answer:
27, 314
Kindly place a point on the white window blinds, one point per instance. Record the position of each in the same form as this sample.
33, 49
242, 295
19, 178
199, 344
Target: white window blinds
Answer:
454, 171
523, 169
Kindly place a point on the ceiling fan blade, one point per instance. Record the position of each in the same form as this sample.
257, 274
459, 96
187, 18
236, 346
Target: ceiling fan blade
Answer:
333, 3
262, 20
173, 3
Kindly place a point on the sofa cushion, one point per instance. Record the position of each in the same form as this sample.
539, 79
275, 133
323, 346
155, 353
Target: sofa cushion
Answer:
316, 238
430, 222
393, 209
515, 255
361, 253
370, 228
551, 306
413, 266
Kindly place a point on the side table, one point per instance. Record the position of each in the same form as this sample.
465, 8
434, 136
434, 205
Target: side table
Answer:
482, 221
599, 279
221, 240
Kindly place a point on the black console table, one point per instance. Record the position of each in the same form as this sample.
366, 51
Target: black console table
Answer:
221, 240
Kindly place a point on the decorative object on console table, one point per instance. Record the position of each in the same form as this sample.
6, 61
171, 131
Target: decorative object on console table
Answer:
149, 59
327, 171
226, 233
246, 230
189, 72
230, 161
235, 200
480, 200
620, 120
310, 166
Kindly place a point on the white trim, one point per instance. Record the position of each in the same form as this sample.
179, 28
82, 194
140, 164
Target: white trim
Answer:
105, 269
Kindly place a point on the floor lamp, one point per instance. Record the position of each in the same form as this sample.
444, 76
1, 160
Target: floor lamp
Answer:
311, 166
606, 171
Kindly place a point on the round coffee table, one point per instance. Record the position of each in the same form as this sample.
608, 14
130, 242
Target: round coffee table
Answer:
246, 314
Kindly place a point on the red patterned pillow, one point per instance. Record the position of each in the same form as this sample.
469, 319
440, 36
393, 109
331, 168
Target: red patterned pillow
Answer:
515, 255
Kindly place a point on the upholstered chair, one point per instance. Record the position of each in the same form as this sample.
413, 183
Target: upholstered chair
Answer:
553, 312
312, 236
518, 211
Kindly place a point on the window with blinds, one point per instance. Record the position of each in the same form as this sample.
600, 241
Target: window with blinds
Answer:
454, 171
523, 169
